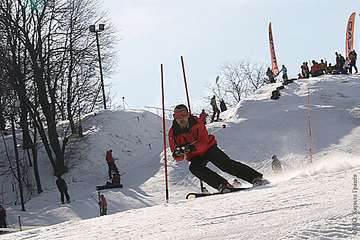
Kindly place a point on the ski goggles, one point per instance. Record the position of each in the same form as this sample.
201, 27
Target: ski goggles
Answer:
180, 114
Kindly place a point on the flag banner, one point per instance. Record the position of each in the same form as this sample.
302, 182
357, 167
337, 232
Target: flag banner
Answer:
350, 34
272, 51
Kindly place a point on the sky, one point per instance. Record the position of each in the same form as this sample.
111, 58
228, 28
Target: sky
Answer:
319, 202
209, 33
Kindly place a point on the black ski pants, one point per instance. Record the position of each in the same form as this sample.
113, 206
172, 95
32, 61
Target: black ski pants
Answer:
112, 169
64, 193
197, 166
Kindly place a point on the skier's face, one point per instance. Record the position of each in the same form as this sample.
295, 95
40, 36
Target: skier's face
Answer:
181, 116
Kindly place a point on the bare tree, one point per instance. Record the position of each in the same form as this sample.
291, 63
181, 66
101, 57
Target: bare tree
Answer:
237, 80
50, 62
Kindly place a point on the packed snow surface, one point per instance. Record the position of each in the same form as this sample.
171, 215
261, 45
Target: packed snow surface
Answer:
318, 201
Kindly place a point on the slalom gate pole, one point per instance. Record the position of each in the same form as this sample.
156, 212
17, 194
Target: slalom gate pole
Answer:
20, 224
188, 100
164, 132
310, 143
185, 82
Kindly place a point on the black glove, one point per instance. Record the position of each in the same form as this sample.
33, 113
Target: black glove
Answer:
188, 148
178, 152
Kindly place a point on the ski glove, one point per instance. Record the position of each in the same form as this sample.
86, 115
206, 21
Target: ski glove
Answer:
181, 150
188, 148
178, 152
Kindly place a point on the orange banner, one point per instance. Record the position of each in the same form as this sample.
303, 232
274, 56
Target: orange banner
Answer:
272, 51
350, 34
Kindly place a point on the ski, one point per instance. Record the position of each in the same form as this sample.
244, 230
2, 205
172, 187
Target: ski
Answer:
108, 186
223, 191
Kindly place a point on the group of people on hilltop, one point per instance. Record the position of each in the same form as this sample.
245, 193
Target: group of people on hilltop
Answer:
342, 66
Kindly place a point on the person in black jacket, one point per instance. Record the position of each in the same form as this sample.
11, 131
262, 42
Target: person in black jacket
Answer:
2, 217
276, 165
63, 189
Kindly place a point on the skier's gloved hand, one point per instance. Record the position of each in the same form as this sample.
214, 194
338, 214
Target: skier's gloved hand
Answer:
188, 148
178, 152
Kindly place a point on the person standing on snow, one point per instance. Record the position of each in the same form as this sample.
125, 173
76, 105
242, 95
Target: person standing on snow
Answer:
284, 72
215, 109
103, 205
2, 217
63, 189
203, 116
353, 57
270, 75
188, 137
111, 164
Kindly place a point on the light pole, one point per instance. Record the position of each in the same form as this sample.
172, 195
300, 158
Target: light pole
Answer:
96, 31
16, 106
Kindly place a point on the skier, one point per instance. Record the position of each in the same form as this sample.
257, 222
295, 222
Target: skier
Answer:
63, 189
188, 137
203, 116
276, 165
353, 57
284, 72
270, 75
111, 163
2, 217
215, 109
103, 205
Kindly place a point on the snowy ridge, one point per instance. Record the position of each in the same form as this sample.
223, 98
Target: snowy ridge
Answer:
311, 203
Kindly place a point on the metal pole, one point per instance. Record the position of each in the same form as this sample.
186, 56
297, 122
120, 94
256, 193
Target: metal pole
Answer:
17, 162
164, 132
100, 66
185, 82
310, 143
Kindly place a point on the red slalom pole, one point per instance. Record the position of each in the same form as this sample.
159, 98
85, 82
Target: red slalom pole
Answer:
164, 132
188, 100
186, 88
20, 223
310, 143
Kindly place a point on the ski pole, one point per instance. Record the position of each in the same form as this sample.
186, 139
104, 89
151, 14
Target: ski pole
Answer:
94, 199
222, 127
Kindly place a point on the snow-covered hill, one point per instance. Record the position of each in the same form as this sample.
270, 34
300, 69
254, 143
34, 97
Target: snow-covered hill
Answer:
320, 202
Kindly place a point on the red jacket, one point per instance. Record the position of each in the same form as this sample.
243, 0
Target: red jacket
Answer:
203, 116
103, 203
109, 157
2, 209
196, 135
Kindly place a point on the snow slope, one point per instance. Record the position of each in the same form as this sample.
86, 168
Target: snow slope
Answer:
319, 202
